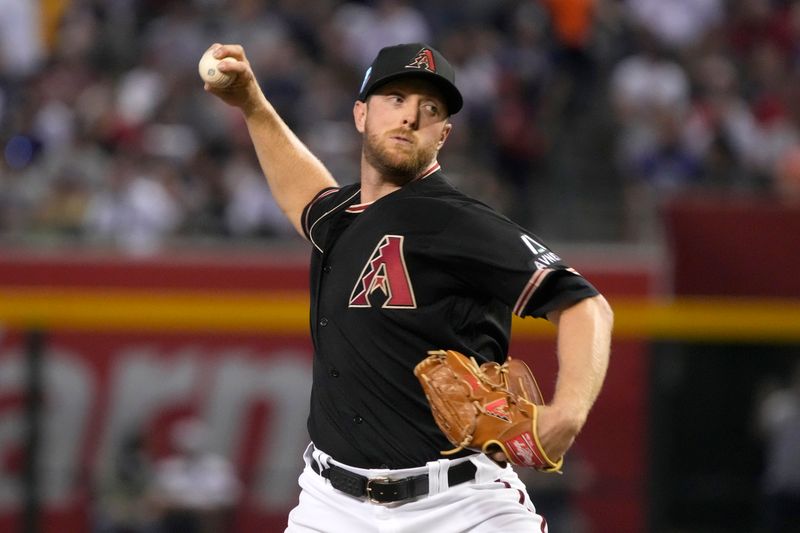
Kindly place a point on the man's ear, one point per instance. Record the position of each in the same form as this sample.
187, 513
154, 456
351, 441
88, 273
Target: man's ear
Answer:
445, 133
360, 115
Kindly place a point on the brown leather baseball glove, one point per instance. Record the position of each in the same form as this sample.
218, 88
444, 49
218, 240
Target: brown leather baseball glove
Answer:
486, 408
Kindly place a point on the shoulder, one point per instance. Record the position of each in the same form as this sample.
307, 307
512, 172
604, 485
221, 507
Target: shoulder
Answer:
333, 195
436, 206
437, 191
326, 201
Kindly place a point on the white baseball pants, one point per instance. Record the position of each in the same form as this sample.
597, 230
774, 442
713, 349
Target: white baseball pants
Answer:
496, 500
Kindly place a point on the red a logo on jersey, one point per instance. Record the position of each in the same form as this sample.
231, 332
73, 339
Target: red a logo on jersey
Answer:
385, 271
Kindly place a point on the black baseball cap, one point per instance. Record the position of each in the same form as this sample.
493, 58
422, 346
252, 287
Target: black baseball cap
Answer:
413, 59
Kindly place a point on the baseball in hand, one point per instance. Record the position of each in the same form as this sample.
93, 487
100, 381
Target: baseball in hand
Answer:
211, 74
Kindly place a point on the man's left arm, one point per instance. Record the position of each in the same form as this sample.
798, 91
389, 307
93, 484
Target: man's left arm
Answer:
584, 345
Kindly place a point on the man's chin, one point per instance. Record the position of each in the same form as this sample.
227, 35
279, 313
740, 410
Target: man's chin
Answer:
399, 154
399, 164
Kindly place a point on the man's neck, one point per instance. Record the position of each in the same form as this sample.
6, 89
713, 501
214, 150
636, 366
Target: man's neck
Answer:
375, 185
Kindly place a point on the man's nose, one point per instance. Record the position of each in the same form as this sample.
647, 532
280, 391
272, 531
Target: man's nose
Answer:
411, 116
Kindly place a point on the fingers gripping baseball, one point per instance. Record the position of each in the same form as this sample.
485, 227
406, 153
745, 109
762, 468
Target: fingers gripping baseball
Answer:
227, 74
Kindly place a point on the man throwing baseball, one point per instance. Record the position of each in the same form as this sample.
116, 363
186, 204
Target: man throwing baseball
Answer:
402, 264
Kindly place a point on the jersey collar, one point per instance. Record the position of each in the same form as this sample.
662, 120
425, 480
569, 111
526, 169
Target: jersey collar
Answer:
433, 168
360, 208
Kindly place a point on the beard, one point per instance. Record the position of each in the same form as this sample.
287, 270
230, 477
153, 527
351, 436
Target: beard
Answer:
398, 165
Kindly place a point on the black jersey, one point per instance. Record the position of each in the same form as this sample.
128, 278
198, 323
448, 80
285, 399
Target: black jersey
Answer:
425, 267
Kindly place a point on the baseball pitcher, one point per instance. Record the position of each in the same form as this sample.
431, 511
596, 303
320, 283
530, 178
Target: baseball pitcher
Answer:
417, 412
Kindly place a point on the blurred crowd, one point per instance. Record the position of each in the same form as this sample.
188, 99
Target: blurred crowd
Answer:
581, 116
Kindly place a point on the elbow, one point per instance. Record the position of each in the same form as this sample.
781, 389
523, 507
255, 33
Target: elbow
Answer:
595, 309
598, 311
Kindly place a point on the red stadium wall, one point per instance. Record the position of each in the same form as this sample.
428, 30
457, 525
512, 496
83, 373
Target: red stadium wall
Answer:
735, 247
140, 343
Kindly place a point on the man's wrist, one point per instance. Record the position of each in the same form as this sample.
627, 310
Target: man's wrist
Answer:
256, 108
571, 417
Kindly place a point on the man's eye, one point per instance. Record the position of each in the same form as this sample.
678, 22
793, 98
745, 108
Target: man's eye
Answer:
431, 109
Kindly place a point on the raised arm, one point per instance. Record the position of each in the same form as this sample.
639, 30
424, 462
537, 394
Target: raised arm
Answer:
293, 173
584, 344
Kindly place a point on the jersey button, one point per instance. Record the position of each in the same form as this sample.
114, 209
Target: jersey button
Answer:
323, 322
326, 268
357, 419
333, 373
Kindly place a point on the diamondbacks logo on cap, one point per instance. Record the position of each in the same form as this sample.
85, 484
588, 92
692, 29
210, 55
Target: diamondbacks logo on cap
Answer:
423, 60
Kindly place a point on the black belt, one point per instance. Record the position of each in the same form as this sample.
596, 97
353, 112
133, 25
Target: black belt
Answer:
384, 490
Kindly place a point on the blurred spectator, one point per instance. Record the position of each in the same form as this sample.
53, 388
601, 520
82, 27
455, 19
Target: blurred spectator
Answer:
207, 195
644, 86
171, 40
122, 505
677, 24
64, 207
664, 168
767, 93
194, 490
139, 93
572, 27
21, 40
366, 27
251, 210
668, 164
779, 422
756, 22
137, 208
518, 147
721, 128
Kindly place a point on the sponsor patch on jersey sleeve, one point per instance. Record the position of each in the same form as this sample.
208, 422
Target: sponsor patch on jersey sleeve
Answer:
545, 262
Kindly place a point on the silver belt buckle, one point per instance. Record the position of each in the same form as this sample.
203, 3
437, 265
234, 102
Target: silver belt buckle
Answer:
381, 479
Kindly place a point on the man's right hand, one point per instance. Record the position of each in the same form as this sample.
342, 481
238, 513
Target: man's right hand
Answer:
244, 91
